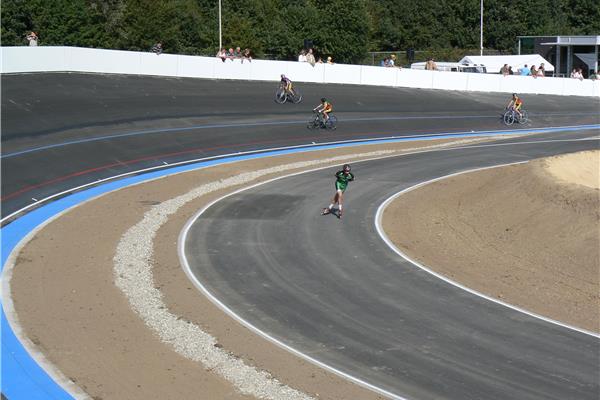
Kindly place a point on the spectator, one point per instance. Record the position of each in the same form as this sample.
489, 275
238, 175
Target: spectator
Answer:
525, 71
510, 71
310, 57
392, 61
302, 56
33, 39
246, 55
594, 76
320, 61
533, 71
385, 62
329, 60
504, 70
222, 54
230, 54
576, 74
237, 53
430, 65
541, 70
157, 49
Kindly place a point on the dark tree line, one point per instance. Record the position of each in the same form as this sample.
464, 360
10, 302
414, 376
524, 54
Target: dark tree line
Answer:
345, 29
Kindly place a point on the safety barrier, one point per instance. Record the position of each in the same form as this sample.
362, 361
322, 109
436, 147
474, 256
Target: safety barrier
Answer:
77, 59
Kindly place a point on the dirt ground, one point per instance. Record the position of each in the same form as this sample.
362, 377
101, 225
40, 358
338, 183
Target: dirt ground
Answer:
526, 234
68, 306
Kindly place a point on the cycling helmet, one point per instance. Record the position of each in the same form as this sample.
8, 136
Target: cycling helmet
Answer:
347, 168
514, 95
323, 99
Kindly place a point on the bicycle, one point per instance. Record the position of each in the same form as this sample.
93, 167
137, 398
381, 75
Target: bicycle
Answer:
318, 123
511, 116
282, 95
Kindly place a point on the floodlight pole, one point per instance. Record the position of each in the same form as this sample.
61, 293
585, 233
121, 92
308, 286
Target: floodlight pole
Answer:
481, 30
220, 30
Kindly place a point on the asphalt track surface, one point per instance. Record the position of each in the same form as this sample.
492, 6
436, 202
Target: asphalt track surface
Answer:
63, 130
60, 131
334, 291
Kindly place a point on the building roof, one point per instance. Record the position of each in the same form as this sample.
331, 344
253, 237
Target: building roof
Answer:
494, 63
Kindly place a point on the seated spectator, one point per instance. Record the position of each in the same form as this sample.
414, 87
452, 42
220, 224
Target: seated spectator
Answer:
302, 56
533, 71
510, 71
310, 57
157, 49
320, 61
392, 61
504, 70
246, 55
33, 39
541, 70
222, 54
237, 53
385, 62
230, 54
576, 74
525, 71
430, 65
329, 60
594, 76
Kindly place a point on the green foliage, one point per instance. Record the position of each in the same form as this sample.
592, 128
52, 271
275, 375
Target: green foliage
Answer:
343, 29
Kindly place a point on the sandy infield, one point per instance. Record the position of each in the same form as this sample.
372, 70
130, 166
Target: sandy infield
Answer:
526, 234
70, 309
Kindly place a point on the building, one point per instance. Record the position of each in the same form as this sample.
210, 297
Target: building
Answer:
566, 52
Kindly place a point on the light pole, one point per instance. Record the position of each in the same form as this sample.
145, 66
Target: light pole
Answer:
481, 30
220, 31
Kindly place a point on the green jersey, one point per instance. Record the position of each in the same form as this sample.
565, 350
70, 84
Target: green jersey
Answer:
342, 179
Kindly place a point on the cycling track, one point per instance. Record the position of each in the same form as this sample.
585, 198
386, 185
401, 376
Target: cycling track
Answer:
106, 144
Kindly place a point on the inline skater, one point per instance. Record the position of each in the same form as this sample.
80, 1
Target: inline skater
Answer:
342, 178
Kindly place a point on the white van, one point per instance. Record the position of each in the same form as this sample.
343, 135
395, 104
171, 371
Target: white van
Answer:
452, 67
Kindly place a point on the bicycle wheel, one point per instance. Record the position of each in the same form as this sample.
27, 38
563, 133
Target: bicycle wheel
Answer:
296, 97
314, 123
524, 117
508, 118
331, 123
280, 96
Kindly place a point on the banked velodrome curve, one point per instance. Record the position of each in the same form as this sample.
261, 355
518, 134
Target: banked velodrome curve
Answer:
60, 131
343, 297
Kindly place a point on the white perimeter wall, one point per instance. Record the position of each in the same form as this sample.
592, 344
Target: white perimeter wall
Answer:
76, 59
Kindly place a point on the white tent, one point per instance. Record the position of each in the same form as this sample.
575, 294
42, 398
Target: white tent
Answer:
495, 63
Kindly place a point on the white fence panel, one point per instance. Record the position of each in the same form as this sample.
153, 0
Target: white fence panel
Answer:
33, 59
483, 82
162, 65
103, 61
342, 73
304, 72
414, 78
379, 76
263, 70
449, 80
197, 67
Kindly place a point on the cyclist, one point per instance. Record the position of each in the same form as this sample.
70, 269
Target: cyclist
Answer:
324, 109
341, 184
286, 84
515, 104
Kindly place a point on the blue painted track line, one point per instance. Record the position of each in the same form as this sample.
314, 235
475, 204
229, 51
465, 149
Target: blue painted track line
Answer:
21, 377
